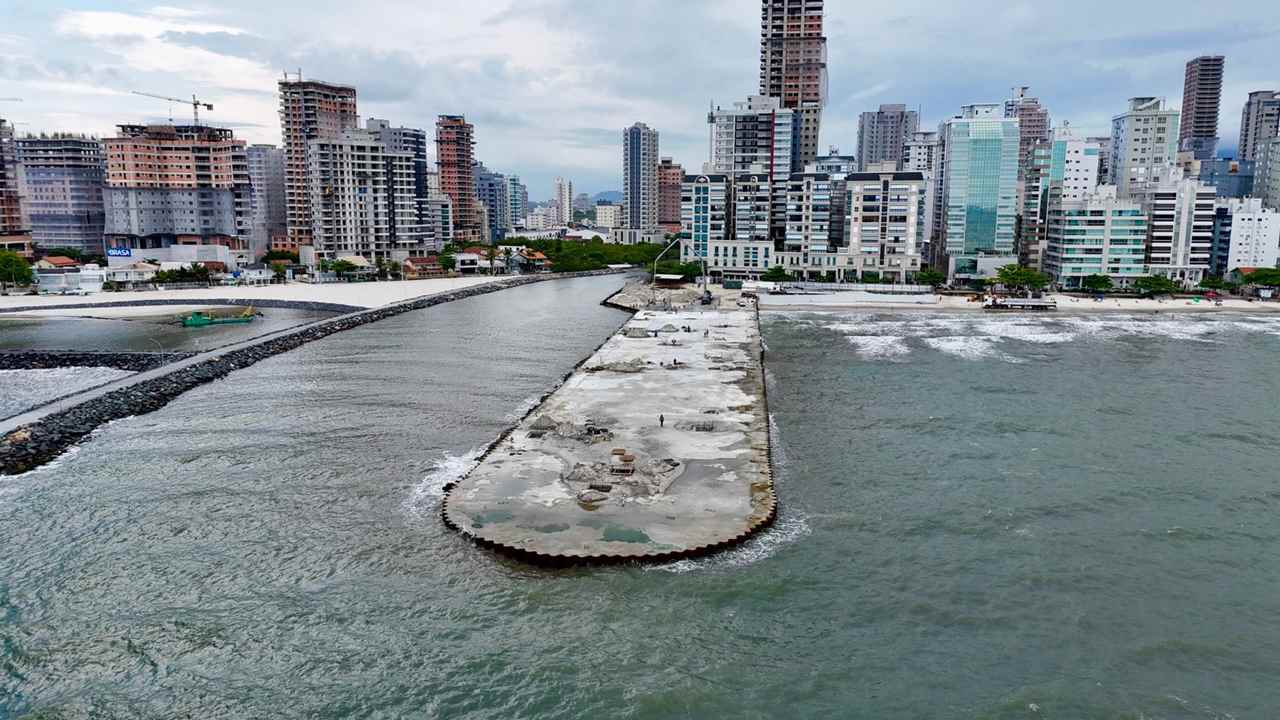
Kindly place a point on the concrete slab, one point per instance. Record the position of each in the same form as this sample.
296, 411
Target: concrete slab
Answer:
591, 475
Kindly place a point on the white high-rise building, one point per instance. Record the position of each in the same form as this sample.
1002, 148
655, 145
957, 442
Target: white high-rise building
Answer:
884, 217
1096, 234
918, 151
640, 177
1144, 143
1250, 235
1259, 122
363, 198
563, 201
609, 216
1266, 177
1180, 241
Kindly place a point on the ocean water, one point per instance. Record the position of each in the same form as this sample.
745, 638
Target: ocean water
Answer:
982, 517
24, 389
159, 332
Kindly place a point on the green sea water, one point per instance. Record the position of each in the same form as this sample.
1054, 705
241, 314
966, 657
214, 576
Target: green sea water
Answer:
981, 518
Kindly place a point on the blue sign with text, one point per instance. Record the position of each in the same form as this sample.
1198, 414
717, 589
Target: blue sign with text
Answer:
119, 252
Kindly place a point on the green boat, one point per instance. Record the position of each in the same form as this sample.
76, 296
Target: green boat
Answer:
200, 319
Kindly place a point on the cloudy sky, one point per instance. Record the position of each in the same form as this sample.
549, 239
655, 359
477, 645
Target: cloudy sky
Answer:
550, 84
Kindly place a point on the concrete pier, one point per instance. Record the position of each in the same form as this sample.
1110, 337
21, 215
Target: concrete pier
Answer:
593, 476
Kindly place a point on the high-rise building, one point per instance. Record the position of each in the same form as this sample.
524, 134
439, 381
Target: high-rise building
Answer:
268, 217
756, 136
978, 192
1096, 234
455, 158
363, 198
415, 142
640, 177
1266, 174
1201, 99
706, 207
1033, 124
1067, 162
562, 201
918, 151
491, 191
10, 200
517, 200
608, 215
1180, 239
60, 179
670, 180
1231, 178
883, 134
309, 110
185, 184
1245, 235
1144, 144
1259, 122
1104, 156
793, 64
884, 219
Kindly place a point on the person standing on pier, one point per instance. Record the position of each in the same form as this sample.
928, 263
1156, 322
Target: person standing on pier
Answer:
662, 420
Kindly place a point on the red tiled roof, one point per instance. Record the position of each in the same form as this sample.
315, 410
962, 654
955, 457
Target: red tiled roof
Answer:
60, 261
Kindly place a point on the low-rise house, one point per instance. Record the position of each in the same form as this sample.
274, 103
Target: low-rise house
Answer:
533, 261
55, 262
466, 263
418, 268
132, 276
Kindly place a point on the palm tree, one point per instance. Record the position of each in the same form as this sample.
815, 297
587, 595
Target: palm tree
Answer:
506, 258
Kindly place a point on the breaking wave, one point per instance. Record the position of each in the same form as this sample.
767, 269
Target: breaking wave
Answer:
449, 468
788, 528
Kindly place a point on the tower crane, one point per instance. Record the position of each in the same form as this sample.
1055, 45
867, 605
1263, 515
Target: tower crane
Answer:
194, 102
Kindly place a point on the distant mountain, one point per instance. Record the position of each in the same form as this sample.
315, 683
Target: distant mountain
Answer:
613, 196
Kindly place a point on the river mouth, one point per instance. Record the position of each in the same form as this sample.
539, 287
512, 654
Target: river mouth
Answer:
958, 536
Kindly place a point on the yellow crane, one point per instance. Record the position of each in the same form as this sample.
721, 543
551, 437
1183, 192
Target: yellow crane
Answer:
195, 103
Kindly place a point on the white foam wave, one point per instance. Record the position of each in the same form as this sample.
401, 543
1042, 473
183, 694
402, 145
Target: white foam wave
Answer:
788, 528
523, 407
971, 348
449, 468
880, 347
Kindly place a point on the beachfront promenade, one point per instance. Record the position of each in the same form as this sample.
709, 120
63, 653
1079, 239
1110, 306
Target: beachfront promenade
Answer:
657, 448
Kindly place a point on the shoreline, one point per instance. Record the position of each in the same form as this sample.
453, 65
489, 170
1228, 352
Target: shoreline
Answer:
1066, 305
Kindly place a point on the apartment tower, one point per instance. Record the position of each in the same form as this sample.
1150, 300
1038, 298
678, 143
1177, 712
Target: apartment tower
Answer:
183, 184
10, 204
1144, 142
1201, 98
60, 179
309, 110
455, 158
670, 179
883, 135
640, 177
268, 216
793, 64
1259, 122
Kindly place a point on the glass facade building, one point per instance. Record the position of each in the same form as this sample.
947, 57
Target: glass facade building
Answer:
980, 187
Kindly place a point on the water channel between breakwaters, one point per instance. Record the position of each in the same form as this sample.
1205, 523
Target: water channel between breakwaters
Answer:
655, 449
38, 436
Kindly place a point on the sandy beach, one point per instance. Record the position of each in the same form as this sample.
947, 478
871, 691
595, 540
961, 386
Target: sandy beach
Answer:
361, 295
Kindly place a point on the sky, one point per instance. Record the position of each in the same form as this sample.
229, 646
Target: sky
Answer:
550, 84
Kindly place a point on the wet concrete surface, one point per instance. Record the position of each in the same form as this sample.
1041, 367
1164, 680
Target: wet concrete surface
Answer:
592, 474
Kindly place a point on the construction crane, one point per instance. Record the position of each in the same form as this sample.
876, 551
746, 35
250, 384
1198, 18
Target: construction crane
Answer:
194, 101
